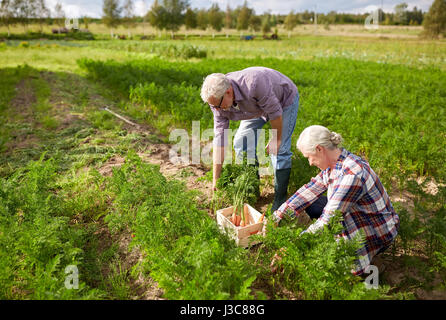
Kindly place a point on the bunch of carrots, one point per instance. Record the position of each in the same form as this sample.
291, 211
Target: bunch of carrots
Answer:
240, 217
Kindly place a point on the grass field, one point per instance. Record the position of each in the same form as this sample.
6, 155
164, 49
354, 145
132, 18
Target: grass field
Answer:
73, 178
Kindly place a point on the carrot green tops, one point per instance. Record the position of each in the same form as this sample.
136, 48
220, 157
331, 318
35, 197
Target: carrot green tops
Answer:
354, 189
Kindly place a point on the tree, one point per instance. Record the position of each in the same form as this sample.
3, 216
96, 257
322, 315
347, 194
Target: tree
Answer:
415, 17
331, 17
215, 17
157, 15
86, 20
306, 16
266, 24
401, 13
24, 10
255, 22
128, 16
290, 22
243, 17
41, 12
190, 19
59, 14
111, 14
174, 14
228, 18
381, 15
434, 22
274, 20
202, 19
6, 14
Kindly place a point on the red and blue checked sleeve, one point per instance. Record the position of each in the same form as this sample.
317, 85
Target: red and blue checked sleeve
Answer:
345, 193
303, 198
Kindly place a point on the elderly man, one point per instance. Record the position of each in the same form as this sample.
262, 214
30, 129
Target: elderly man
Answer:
255, 96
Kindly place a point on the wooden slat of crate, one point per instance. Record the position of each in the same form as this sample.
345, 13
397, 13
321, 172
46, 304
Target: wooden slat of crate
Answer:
241, 235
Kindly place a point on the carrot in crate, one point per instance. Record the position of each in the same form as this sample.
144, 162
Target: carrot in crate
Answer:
242, 187
241, 234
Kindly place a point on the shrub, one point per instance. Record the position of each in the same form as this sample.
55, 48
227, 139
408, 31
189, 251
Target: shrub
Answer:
24, 44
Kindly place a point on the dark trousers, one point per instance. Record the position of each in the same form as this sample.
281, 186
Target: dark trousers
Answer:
315, 211
316, 208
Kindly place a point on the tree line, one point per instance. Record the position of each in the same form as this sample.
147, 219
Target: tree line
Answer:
170, 15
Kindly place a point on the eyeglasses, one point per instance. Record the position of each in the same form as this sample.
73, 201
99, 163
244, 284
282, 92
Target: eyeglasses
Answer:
219, 105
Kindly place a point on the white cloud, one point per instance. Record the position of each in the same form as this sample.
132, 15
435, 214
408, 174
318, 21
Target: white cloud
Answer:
77, 8
93, 8
140, 7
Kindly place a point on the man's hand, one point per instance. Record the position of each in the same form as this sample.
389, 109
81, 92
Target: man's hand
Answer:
273, 146
218, 158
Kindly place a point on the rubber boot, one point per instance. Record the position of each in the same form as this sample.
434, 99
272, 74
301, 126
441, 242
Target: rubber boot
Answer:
281, 179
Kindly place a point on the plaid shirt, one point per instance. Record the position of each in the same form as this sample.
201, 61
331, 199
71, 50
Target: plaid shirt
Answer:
354, 189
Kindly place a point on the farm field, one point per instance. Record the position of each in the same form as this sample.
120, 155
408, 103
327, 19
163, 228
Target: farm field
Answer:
80, 187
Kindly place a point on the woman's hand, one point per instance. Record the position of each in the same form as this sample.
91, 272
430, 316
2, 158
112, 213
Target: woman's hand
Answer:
275, 218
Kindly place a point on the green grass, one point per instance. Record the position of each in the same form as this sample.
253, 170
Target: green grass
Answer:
61, 55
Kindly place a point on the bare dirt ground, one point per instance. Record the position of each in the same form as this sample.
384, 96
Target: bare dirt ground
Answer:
22, 104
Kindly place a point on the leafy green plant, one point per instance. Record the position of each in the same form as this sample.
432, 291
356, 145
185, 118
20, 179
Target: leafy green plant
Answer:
118, 281
49, 122
239, 181
37, 241
185, 251
317, 266
24, 44
103, 120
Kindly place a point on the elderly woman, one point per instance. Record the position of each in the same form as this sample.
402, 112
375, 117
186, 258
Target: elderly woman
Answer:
352, 188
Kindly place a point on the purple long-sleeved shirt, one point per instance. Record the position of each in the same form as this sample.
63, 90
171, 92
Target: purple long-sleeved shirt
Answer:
258, 92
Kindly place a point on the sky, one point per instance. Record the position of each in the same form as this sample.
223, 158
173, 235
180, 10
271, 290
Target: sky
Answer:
93, 8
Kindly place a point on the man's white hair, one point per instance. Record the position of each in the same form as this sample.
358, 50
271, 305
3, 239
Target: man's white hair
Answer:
214, 85
318, 135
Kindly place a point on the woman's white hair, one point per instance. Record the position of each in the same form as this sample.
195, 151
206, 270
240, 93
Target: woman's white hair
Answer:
313, 136
214, 85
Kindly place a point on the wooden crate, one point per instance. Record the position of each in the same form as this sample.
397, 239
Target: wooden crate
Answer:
241, 235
